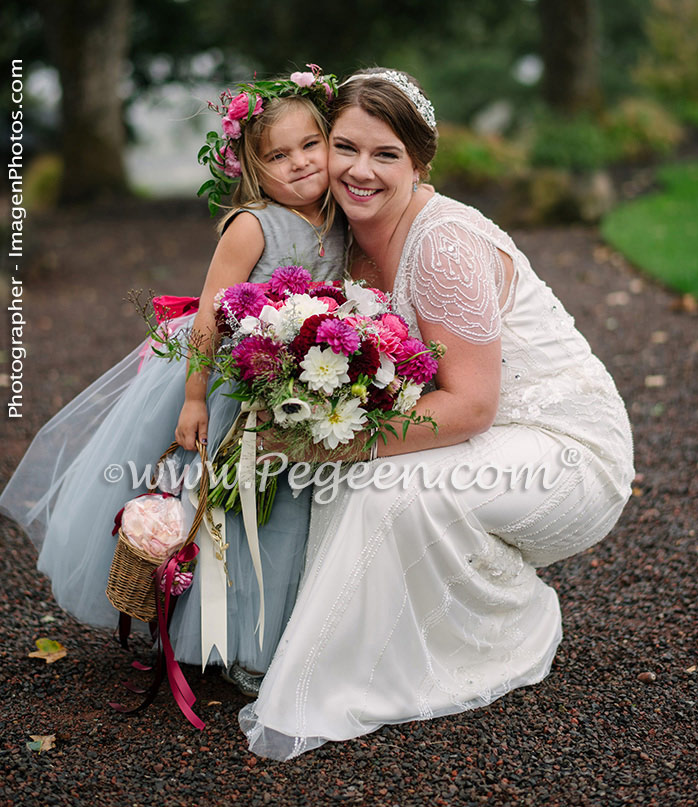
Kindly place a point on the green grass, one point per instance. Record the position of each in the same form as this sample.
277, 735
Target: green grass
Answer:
659, 232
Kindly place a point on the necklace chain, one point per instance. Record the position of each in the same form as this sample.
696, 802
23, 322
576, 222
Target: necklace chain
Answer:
321, 246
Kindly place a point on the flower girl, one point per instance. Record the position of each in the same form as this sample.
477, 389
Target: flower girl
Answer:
92, 456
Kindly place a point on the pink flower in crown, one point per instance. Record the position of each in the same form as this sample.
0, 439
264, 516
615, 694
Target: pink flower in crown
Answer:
229, 163
328, 91
291, 279
240, 105
302, 79
339, 335
414, 360
231, 128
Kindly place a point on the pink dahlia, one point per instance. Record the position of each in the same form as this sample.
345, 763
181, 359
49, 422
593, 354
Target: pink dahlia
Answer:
396, 324
340, 336
414, 360
306, 337
180, 582
290, 279
258, 357
243, 300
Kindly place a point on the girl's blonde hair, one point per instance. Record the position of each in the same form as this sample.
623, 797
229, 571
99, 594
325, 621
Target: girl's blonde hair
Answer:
248, 194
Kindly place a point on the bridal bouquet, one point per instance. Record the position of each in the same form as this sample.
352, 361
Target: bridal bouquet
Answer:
327, 360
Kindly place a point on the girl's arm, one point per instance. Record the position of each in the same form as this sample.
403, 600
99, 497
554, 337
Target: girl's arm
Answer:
236, 255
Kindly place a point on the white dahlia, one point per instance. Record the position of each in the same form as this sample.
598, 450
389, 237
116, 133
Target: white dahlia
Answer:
324, 370
338, 425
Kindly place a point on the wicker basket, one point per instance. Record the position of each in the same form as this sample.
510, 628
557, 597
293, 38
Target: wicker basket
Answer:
131, 585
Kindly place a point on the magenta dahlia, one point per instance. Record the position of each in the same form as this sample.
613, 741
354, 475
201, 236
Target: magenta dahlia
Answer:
290, 279
258, 356
243, 300
415, 361
340, 336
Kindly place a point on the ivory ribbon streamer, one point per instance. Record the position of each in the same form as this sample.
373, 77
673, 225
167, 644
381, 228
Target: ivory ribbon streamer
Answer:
248, 499
213, 589
214, 608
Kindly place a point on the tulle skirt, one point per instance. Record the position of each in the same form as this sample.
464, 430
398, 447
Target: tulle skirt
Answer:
95, 454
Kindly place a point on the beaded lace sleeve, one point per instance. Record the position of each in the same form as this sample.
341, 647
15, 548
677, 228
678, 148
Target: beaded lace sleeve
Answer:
454, 278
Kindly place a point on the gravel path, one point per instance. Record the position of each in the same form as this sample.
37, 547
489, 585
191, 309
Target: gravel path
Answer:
595, 732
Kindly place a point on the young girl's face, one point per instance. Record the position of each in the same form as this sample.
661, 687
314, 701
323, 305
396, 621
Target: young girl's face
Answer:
294, 158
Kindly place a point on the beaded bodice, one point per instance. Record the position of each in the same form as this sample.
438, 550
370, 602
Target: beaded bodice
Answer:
451, 272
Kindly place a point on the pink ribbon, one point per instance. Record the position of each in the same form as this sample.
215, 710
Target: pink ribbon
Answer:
168, 307
181, 690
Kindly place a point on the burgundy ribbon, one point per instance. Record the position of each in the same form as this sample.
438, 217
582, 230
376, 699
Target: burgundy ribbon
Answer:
181, 690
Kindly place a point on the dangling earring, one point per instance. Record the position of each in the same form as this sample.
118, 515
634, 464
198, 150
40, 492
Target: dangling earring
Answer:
414, 186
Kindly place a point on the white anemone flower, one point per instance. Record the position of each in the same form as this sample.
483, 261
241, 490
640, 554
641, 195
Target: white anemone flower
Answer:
290, 411
296, 309
365, 301
338, 425
250, 324
385, 373
408, 396
324, 370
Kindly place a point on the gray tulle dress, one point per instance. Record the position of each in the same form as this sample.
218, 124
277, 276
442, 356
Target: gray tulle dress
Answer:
66, 490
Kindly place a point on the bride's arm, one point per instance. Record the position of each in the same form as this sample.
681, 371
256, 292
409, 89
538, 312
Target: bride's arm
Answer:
467, 395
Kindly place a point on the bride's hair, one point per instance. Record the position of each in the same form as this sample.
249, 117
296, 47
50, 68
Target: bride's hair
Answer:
387, 102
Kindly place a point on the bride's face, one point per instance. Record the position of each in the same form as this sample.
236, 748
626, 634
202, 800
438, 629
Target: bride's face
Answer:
371, 173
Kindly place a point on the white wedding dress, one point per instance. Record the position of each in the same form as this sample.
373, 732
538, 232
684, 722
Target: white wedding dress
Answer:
420, 598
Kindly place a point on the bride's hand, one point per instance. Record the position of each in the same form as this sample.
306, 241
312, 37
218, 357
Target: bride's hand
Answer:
272, 441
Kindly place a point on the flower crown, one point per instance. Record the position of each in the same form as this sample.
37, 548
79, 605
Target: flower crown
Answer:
221, 152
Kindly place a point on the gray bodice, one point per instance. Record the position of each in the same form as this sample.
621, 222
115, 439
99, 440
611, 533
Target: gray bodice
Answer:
290, 240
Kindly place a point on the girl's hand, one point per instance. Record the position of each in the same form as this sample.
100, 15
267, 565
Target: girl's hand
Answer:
193, 424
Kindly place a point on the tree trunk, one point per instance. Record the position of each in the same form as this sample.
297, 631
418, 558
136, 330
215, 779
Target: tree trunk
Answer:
570, 50
89, 40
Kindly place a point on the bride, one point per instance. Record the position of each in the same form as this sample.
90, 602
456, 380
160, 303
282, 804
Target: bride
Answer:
420, 597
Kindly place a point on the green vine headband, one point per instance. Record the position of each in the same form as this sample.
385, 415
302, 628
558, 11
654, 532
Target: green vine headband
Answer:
221, 151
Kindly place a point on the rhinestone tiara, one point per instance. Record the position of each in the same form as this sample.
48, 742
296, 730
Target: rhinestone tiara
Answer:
421, 102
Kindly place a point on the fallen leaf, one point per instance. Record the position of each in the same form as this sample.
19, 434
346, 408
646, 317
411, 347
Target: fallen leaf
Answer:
42, 742
655, 380
636, 285
692, 668
48, 650
214, 703
46, 619
687, 304
659, 337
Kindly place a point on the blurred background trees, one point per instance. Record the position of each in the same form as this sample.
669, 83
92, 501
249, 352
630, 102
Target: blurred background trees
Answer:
574, 84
